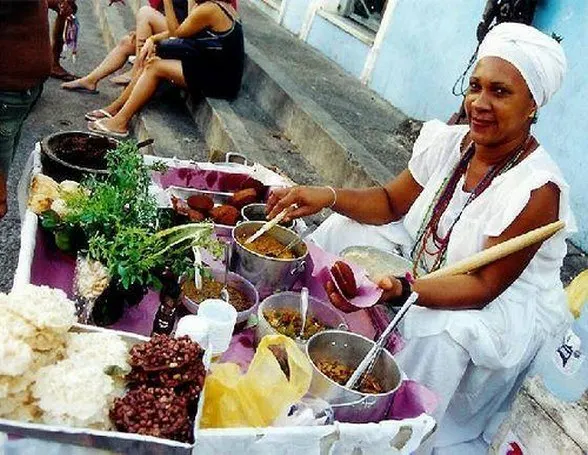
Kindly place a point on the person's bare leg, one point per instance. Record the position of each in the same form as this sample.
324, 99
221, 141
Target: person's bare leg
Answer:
149, 22
144, 88
115, 60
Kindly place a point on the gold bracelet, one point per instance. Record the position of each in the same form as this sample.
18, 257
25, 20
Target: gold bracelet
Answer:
334, 196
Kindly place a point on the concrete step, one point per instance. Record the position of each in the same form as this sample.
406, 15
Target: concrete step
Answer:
241, 126
351, 135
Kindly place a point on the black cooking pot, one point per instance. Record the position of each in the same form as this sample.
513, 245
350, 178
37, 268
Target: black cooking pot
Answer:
69, 155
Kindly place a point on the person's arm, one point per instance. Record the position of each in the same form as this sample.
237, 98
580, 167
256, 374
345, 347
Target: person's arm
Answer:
376, 205
170, 16
199, 18
477, 289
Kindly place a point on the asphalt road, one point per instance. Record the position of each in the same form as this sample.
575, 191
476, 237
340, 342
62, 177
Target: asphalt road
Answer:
56, 110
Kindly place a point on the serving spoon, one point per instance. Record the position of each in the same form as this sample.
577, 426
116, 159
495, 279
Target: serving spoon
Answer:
303, 310
224, 294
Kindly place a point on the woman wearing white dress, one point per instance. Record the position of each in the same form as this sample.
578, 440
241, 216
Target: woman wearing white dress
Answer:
468, 187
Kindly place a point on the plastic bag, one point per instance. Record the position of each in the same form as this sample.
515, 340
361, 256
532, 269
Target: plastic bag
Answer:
256, 398
577, 293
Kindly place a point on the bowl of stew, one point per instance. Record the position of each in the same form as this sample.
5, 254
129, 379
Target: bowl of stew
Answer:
280, 314
334, 356
242, 294
266, 262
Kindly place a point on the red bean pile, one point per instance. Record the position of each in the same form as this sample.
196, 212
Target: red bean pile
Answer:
165, 382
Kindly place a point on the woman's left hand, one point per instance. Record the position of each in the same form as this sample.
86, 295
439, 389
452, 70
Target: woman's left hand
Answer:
147, 51
391, 286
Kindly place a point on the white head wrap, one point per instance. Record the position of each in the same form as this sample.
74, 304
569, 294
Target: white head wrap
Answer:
539, 58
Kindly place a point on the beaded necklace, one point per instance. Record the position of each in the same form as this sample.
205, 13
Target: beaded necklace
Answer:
428, 232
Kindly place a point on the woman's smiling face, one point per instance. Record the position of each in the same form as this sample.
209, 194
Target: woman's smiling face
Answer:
498, 103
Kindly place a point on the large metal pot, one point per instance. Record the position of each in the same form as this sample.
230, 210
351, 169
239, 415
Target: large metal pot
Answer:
268, 275
349, 349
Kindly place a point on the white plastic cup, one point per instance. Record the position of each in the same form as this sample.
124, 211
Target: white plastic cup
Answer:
195, 327
221, 318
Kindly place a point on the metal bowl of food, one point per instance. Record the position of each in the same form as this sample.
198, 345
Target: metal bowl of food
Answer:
242, 294
265, 262
334, 355
256, 212
280, 313
377, 262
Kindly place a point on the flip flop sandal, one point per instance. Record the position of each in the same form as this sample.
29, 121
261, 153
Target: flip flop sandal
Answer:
119, 80
81, 89
98, 114
65, 77
98, 127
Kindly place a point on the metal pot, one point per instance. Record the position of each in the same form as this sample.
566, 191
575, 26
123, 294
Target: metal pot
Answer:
318, 309
268, 275
75, 165
239, 283
349, 349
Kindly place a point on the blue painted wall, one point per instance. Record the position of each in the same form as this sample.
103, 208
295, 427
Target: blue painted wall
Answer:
562, 126
427, 47
295, 14
338, 45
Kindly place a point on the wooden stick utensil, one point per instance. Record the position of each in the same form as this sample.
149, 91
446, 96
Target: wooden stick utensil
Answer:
499, 251
268, 225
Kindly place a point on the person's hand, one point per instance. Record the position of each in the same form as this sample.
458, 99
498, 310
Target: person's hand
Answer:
337, 299
307, 200
147, 52
391, 286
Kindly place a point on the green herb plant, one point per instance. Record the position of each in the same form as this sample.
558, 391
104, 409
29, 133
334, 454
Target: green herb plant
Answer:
119, 219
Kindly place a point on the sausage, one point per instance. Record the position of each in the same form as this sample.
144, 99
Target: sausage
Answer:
338, 300
345, 279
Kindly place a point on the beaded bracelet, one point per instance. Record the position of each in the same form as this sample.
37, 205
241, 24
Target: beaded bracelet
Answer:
334, 197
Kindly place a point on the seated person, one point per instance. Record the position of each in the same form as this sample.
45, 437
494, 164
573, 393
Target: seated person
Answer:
471, 337
210, 62
150, 21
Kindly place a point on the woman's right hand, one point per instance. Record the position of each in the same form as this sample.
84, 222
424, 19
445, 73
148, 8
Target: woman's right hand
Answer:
307, 200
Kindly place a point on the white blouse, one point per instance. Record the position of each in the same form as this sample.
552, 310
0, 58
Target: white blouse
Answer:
493, 336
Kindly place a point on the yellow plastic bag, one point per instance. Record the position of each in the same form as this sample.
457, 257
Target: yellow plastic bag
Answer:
577, 293
256, 398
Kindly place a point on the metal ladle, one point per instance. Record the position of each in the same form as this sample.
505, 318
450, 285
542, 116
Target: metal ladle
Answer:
367, 364
224, 294
303, 310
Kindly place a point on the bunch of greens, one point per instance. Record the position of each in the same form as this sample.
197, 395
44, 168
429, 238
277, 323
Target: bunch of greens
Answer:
137, 256
119, 220
118, 201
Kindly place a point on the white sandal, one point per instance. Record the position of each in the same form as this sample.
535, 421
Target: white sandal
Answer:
97, 127
92, 116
